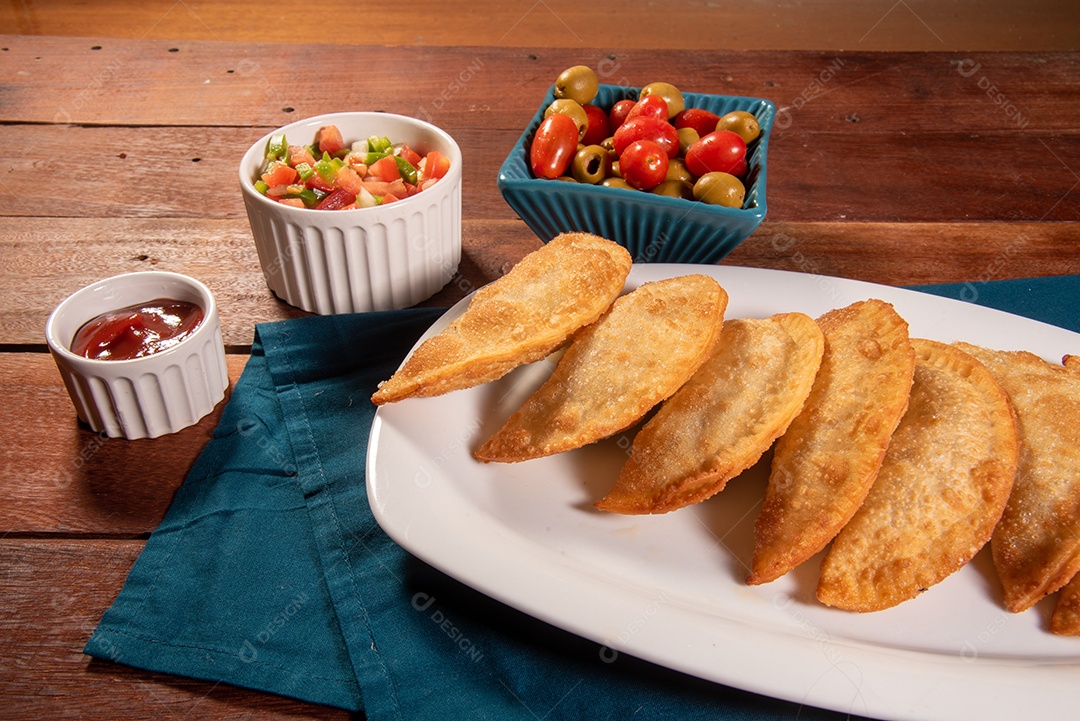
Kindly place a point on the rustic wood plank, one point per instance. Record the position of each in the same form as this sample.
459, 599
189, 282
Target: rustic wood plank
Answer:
54, 594
45, 259
161, 172
838, 24
914, 253
70, 480
65, 80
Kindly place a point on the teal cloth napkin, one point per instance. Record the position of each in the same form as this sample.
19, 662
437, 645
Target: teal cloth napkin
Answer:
270, 572
1051, 299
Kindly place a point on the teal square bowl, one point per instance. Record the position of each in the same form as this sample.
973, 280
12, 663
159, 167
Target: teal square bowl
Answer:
653, 228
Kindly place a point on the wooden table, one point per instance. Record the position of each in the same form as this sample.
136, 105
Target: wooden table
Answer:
121, 155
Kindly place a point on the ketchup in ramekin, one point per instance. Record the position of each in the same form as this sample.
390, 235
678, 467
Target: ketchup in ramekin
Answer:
137, 330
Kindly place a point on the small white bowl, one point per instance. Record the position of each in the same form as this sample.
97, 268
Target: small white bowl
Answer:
149, 396
346, 261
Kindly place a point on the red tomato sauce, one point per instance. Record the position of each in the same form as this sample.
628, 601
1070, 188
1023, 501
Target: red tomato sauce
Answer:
137, 330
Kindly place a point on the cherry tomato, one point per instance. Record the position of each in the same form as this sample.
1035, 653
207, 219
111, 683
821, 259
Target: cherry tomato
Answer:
553, 146
700, 119
739, 170
618, 113
720, 151
599, 127
652, 106
643, 164
644, 127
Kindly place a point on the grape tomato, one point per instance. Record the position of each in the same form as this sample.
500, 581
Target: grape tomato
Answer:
719, 151
619, 111
643, 164
701, 120
554, 146
644, 127
599, 125
652, 106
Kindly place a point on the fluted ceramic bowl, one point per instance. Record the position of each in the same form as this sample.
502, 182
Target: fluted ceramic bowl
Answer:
367, 259
152, 395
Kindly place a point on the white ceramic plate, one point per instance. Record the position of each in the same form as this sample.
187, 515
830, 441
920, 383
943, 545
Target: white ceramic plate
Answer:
670, 588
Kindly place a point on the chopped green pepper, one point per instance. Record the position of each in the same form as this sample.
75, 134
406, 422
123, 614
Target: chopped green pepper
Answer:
305, 171
328, 166
408, 172
379, 145
277, 148
261, 187
309, 196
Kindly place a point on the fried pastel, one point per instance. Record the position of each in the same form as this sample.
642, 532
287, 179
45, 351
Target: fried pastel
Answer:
1036, 546
826, 461
522, 317
1066, 618
639, 353
724, 418
941, 489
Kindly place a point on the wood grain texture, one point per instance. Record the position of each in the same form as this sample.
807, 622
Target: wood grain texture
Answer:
813, 176
833, 24
67, 81
45, 259
72, 481
54, 594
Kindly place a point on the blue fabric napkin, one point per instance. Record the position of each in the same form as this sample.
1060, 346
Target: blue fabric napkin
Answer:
269, 571
1052, 299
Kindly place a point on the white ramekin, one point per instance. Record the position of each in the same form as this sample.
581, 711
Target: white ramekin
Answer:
345, 261
142, 397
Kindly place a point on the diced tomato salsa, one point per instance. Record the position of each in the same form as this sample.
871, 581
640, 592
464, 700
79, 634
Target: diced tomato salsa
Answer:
332, 175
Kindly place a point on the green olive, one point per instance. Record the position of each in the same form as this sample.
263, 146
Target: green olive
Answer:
591, 164
687, 137
671, 95
566, 179
742, 123
676, 170
674, 189
717, 188
578, 83
608, 144
617, 183
573, 110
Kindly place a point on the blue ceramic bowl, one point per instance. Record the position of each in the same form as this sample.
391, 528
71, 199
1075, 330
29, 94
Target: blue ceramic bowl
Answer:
653, 228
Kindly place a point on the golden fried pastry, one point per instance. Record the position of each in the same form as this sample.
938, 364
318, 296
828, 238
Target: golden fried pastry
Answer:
1036, 546
639, 353
825, 463
941, 489
1066, 618
724, 418
522, 317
